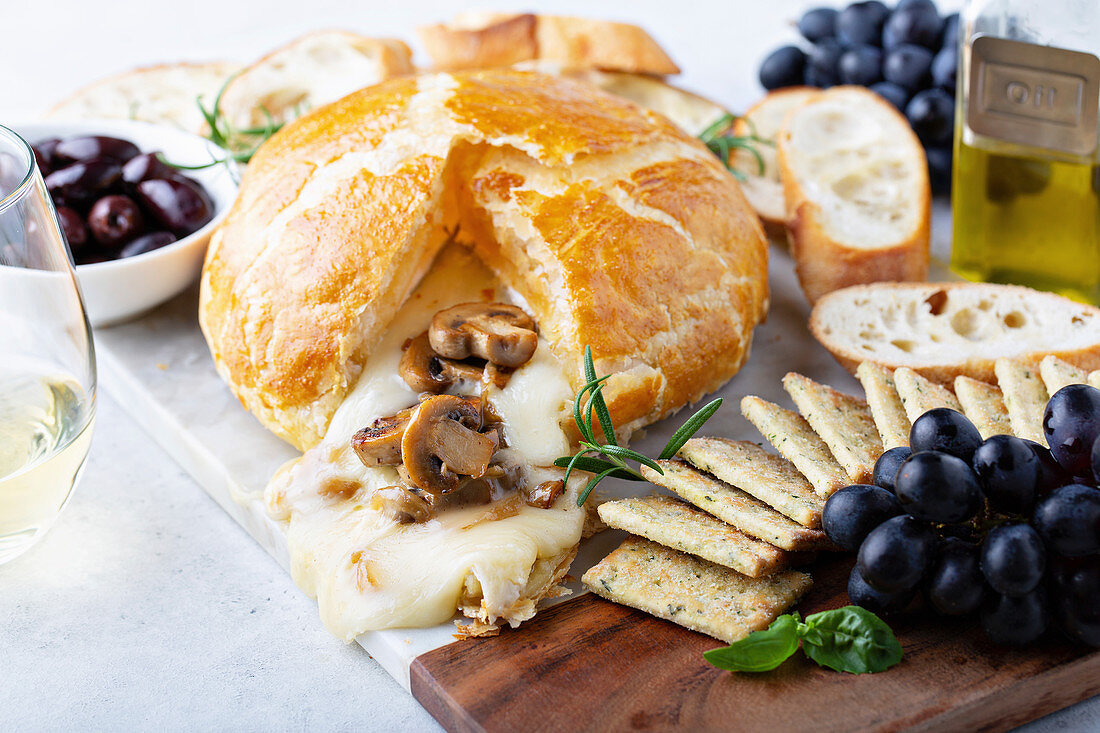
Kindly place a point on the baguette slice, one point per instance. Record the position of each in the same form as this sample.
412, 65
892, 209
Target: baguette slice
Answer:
163, 94
309, 72
483, 39
762, 188
855, 181
943, 330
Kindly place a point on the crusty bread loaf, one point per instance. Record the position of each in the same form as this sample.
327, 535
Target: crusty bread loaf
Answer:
763, 188
476, 40
164, 94
855, 181
944, 330
618, 230
311, 71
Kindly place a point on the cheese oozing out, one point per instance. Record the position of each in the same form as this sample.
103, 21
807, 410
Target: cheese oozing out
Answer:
370, 572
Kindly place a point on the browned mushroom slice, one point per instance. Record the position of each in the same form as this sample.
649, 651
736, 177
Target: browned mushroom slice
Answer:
425, 371
497, 332
401, 504
379, 444
442, 444
545, 494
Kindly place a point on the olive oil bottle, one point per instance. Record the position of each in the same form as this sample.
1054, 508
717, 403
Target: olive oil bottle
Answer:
1026, 188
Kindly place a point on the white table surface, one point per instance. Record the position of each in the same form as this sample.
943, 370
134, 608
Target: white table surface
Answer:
146, 607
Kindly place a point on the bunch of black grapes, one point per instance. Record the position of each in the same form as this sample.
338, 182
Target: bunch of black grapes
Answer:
1004, 527
908, 55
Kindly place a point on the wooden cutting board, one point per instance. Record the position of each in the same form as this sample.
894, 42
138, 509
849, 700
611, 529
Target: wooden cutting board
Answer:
591, 665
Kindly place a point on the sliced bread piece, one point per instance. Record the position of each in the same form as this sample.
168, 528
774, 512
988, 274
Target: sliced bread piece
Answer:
682, 527
1057, 373
886, 406
792, 436
942, 330
919, 395
478, 39
762, 187
984, 405
694, 593
844, 422
1025, 398
163, 94
770, 478
309, 72
735, 507
855, 182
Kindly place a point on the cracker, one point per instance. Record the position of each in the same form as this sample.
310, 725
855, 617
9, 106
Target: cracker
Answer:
682, 527
984, 405
694, 593
919, 395
1094, 379
886, 406
796, 441
1025, 397
770, 478
733, 506
1057, 373
843, 422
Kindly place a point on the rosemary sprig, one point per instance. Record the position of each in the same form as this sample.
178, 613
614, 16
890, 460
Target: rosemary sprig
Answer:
609, 459
721, 141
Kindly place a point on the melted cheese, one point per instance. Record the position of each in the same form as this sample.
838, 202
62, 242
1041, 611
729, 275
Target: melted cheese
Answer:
369, 572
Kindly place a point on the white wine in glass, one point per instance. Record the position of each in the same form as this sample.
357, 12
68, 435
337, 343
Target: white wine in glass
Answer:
47, 363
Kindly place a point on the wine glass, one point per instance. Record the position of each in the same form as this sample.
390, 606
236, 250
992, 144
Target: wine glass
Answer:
47, 363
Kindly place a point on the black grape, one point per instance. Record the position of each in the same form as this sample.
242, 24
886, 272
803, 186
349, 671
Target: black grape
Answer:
1008, 473
896, 554
946, 430
919, 24
1071, 424
956, 585
938, 487
876, 601
851, 513
1013, 559
1075, 604
817, 24
860, 65
1068, 520
783, 67
1016, 620
908, 65
861, 23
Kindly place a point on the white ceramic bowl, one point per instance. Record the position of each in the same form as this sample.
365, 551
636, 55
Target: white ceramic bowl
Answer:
118, 290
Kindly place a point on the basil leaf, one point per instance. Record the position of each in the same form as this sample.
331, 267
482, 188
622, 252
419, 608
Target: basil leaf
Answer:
850, 639
760, 651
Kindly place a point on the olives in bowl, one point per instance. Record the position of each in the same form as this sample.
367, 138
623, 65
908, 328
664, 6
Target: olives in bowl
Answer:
108, 193
136, 225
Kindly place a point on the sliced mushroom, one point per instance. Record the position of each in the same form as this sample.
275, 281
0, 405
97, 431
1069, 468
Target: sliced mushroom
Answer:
545, 494
497, 332
379, 444
401, 504
442, 444
426, 371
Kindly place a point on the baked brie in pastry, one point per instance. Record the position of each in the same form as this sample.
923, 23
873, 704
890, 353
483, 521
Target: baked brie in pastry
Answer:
404, 289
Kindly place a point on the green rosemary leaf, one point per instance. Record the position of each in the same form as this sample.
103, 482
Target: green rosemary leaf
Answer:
592, 484
722, 123
597, 402
573, 464
618, 451
689, 428
596, 465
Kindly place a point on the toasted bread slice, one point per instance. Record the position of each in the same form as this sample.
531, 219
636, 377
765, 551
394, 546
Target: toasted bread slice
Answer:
735, 507
886, 405
762, 186
844, 422
919, 395
479, 39
984, 405
942, 330
1057, 373
682, 527
1025, 398
770, 478
855, 183
694, 593
309, 72
792, 436
163, 94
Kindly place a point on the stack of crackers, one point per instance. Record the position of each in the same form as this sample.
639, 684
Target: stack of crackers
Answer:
718, 559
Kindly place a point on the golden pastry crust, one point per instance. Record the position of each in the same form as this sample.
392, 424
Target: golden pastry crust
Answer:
619, 231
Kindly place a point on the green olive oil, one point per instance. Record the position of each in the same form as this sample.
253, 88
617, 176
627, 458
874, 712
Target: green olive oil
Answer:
1027, 220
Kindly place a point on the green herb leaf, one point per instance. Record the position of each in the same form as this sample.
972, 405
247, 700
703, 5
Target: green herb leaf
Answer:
689, 428
720, 140
592, 484
595, 465
760, 651
618, 451
850, 639
597, 401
